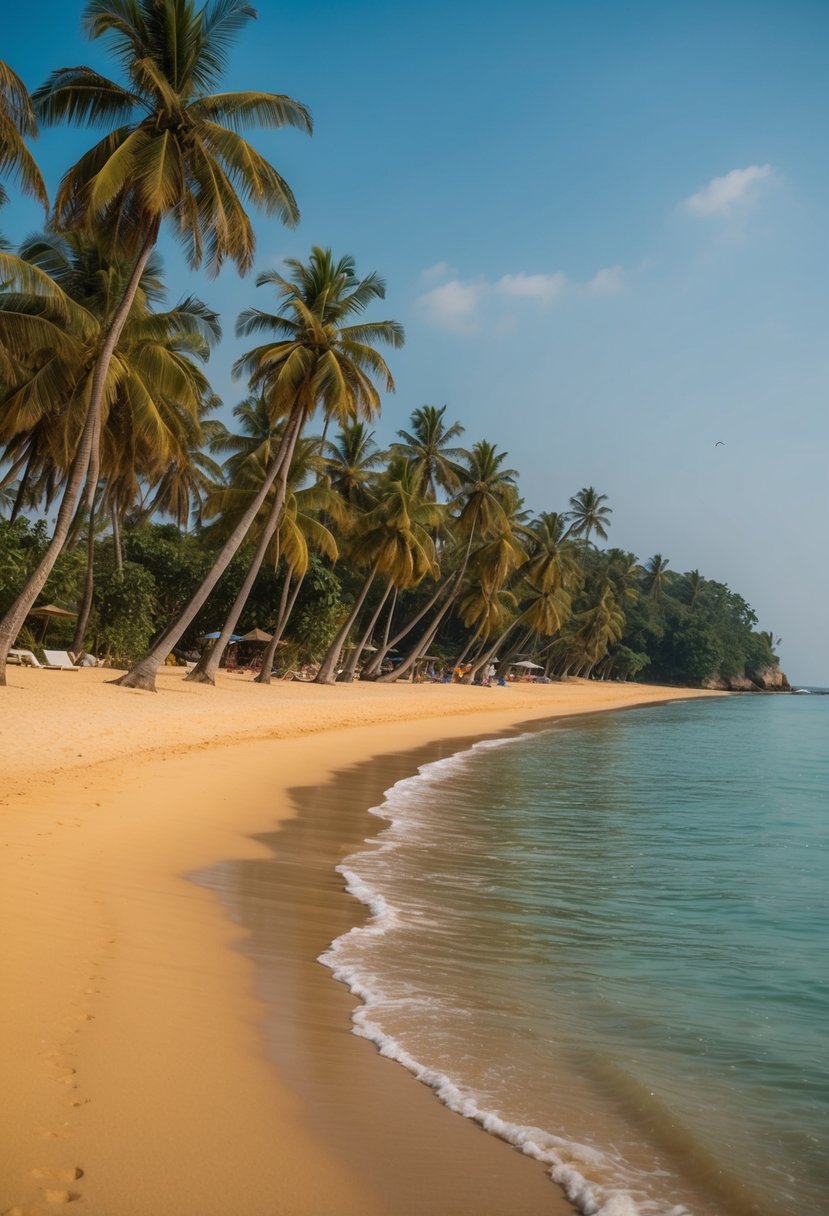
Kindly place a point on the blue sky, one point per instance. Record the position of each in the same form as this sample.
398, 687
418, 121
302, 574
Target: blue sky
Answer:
604, 227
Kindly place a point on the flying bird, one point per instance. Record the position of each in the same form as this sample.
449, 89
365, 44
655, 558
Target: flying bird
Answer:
719, 444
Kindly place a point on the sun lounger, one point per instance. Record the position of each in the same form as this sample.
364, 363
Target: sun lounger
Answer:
59, 660
24, 657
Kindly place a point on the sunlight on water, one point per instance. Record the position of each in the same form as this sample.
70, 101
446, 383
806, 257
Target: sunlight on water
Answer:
606, 943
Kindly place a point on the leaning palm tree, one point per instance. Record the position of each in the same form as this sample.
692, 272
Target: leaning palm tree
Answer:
299, 530
391, 539
482, 510
312, 360
427, 445
17, 123
176, 153
596, 629
588, 514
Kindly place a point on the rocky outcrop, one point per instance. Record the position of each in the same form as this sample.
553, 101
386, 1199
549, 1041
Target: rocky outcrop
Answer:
768, 679
771, 679
741, 684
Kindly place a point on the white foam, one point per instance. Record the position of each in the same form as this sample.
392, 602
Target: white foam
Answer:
570, 1163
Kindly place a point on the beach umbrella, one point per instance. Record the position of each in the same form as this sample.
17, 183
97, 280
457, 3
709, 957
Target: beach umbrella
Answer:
527, 664
211, 637
49, 612
256, 635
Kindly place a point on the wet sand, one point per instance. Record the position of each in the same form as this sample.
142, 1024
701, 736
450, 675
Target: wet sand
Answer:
137, 1073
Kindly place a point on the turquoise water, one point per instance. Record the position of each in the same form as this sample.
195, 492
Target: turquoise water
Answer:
607, 942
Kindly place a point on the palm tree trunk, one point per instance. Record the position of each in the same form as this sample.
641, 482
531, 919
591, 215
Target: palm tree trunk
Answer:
143, 674
205, 670
12, 622
116, 537
470, 643
351, 665
389, 620
286, 607
374, 664
488, 656
420, 648
327, 671
85, 606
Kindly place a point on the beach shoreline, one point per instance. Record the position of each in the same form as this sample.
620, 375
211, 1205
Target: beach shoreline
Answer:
136, 1078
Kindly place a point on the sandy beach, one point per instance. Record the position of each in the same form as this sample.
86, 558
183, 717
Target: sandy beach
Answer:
145, 1070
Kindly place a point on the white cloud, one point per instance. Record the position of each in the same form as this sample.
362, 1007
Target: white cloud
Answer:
453, 306
463, 306
543, 287
609, 281
723, 193
439, 271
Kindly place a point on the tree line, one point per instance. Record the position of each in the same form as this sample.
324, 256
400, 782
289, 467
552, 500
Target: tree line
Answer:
292, 518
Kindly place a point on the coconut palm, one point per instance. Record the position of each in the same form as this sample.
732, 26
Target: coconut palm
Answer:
480, 510
392, 538
656, 576
182, 488
552, 558
17, 123
312, 360
176, 153
436, 464
258, 436
351, 461
155, 391
588, 514
596, 629
299, 527
694, 584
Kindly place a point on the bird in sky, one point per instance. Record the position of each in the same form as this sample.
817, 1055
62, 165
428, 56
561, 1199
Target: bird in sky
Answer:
719, 444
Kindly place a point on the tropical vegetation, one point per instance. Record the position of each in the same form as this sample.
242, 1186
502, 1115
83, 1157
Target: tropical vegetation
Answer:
169, 524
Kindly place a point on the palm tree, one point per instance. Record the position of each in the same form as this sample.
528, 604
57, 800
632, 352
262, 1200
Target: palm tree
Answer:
392, 539
597, 629
552, 558
258, 437
154, 393
178, 154
299, 527
312, 360
351, 461
656, 575
17, 122
694, 584
588, 514
481, 510
436, 464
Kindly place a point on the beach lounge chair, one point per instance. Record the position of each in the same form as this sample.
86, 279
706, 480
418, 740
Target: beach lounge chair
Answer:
59, 660
24, 657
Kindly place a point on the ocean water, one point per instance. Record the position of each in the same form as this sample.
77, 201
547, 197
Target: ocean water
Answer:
608, 942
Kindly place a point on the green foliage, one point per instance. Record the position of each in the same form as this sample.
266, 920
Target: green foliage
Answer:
22, 544
316, 617
124, 602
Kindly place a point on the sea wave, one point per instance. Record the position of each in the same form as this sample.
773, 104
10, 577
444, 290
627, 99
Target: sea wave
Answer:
574, 1166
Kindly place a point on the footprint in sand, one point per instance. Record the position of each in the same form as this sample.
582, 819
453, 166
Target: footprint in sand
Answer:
57, 1173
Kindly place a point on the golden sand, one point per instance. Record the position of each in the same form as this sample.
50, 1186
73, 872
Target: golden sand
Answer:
134, 1075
